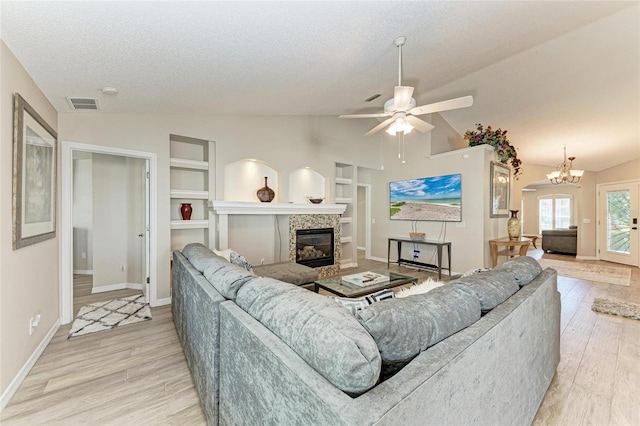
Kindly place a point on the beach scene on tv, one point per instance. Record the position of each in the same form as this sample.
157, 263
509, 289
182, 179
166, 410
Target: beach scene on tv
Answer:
435, 198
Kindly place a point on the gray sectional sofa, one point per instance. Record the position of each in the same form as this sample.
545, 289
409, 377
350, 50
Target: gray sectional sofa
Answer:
481, 350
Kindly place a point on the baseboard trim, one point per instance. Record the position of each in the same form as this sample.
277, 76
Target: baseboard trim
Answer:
83, 271
113, 287
162, 302
378, 259
586, 258
24, 371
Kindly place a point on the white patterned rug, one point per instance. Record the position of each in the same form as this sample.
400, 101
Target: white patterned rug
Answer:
590, 272
110, 314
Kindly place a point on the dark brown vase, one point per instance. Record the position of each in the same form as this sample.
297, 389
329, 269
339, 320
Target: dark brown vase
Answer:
185, 211
265, 194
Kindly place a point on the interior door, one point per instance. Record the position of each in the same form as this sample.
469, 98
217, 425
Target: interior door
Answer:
618, 223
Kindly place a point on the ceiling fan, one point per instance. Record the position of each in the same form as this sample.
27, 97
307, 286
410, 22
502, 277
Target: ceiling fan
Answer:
402, 109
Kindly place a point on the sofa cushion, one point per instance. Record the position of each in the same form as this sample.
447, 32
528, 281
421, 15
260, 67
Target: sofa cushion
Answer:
320, 331
492, 287
201, 257
227, 278
404, 327
523, 268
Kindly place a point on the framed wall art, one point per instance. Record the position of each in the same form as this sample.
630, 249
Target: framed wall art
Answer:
34, 176
500, 190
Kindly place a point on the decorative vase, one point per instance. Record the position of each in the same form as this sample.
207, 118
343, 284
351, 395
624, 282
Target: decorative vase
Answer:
185, 211
265, 194
513, 225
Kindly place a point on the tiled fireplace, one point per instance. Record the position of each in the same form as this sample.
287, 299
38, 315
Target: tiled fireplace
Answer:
309, 225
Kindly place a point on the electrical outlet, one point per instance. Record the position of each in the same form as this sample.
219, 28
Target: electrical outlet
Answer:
262, 261
460, 224
123, 268
84, 254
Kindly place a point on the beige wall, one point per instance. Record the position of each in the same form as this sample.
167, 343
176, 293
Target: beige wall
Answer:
29, 277
624, 172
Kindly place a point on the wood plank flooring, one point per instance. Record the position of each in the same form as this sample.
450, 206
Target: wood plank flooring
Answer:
137, 375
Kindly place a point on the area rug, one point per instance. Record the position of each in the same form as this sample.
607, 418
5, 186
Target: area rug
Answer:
589, 271
622, 309
110, 314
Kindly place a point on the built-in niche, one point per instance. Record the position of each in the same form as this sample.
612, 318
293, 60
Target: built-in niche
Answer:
304, 183
243, 178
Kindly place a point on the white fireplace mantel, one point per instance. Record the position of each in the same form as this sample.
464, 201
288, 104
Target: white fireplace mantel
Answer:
225, 208
245, 207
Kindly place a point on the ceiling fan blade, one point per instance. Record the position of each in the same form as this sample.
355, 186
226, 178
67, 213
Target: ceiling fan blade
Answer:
380, 126
376, 115
463, 102
419, 124
402, 97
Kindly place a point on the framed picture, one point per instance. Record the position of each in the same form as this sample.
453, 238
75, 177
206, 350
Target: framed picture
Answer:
500, 190
34, 176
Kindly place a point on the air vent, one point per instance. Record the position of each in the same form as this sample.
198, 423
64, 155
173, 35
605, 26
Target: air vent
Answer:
370, 98
82, 104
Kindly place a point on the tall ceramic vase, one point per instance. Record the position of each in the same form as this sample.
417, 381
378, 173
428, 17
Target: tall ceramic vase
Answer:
265, 194
185, 211
513, 225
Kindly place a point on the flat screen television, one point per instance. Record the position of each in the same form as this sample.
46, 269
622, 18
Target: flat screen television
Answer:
437, 198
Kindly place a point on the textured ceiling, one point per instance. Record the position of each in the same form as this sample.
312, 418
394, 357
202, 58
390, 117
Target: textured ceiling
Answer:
546, 71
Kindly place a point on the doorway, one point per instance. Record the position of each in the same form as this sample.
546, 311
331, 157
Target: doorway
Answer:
618, 206
139, 264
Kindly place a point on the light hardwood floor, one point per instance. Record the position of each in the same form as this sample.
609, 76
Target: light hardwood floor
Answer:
138, 374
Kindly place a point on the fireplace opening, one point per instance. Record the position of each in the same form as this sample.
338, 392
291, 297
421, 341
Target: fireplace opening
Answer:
314, 247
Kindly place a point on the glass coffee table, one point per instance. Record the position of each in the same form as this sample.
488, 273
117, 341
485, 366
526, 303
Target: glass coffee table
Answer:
342, 288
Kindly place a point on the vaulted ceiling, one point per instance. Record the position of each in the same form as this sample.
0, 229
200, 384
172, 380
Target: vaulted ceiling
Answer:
552, 73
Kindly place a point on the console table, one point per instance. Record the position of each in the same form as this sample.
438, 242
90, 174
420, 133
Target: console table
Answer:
437, 244
522, 245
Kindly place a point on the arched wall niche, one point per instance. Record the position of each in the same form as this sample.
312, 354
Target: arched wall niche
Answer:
306, 182
243, 178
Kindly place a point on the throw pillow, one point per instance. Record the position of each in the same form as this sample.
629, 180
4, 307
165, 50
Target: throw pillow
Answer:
240, 260
354, 304
425, 286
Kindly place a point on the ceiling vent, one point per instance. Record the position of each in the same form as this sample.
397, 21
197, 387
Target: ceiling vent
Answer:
83, 104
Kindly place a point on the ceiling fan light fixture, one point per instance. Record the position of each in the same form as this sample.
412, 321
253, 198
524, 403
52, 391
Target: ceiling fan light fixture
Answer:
399, 125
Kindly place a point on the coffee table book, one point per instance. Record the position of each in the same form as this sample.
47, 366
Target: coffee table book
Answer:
364, 279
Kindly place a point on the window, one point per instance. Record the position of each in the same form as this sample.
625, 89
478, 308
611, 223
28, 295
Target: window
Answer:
554, 211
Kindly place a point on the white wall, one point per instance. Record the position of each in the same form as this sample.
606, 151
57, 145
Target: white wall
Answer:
110, 220
29, 277
82, 215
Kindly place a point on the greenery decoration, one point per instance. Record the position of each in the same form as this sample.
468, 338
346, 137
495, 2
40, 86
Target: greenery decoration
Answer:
497, 139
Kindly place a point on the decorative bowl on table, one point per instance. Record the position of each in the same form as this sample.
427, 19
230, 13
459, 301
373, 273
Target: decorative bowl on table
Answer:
315, 200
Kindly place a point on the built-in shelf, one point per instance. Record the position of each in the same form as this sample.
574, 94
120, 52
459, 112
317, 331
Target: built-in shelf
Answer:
189, 194
346, 220
343, 181
343, 200
190, 224
182, 163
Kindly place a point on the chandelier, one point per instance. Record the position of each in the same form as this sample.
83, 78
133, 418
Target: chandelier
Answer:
564, 173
